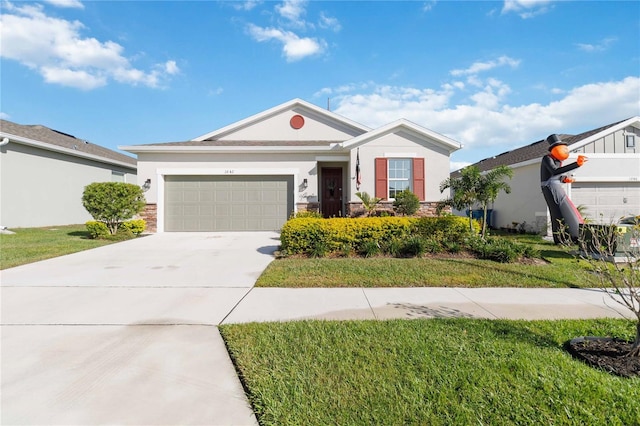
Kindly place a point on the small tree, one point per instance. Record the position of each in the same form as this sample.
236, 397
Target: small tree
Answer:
489, 186
113, 202
406, 203
620, 278
464, 191
368, 202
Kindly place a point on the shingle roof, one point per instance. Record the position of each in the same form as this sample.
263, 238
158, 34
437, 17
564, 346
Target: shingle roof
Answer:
535, 150
54, 137
245, 143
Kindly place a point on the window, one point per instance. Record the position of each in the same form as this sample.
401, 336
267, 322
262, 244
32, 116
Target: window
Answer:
399, 176
631, 141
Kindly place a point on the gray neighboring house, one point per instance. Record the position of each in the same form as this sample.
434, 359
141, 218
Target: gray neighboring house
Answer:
607, 186
43, 173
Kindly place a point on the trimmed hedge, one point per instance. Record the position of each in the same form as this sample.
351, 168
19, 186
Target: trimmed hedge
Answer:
128, 229
319, 237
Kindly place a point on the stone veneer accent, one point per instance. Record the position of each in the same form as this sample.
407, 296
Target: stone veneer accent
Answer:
150, 215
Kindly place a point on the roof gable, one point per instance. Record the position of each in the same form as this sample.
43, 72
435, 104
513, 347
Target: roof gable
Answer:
275, 124
407, 127
44, 137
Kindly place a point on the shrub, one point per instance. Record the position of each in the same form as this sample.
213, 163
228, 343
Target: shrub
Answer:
446, 229
500, 249
369, 248
113, 202
135, 226
97, 229
406, 203
306, 213
413, 246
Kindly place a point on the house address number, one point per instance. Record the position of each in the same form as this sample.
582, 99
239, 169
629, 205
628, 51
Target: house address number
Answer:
229, 171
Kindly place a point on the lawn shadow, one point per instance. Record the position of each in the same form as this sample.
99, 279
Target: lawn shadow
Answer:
499, 267
82, 234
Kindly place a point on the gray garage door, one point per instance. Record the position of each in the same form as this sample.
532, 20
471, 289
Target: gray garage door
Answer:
606, 202
227, 203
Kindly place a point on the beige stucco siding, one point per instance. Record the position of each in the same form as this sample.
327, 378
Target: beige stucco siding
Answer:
42, 188
402, 146
301, 166
278, 127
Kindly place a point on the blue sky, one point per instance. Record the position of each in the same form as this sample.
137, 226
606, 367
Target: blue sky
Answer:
491, 75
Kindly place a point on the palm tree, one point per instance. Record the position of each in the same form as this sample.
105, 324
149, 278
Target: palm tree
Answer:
368, 202
464, 191
489, 187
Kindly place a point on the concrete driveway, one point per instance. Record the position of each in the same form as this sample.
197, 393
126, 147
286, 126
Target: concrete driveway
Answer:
126, 333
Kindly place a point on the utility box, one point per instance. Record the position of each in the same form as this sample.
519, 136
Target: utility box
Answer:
618, 241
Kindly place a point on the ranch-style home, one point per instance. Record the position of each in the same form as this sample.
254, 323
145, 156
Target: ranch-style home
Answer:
606, 187
253, 174
43, 173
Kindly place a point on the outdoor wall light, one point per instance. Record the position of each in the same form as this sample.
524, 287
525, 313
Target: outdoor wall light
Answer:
305, 183
147, 185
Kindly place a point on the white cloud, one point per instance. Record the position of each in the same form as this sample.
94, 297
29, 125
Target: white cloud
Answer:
66, 3
486, 119
245, 5
457, 165
599, 47
479, 67
294, 47
292, 10
328, 22
4, 116
428, 5
526, 8
57, 50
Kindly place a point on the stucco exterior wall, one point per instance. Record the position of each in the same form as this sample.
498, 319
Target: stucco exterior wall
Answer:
302, 166
43, 188
401, 146
278, 127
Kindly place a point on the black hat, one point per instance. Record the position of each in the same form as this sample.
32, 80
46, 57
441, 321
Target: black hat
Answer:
554, 140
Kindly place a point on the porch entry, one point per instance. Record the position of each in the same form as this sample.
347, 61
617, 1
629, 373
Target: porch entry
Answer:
331, 190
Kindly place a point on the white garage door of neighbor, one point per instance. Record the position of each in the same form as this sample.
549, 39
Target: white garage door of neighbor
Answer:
607, 202
227, 203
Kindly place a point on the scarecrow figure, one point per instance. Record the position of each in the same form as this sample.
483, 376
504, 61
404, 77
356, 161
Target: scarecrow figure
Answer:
565, 218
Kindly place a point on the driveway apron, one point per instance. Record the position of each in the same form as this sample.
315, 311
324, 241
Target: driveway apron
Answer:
126, 333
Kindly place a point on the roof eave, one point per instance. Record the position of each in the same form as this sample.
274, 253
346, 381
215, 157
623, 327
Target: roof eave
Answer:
61, 149
229, 149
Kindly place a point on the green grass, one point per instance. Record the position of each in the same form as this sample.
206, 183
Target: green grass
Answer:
29, 245
560, 270
429, 372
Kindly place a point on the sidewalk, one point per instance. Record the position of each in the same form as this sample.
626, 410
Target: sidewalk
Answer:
284, 304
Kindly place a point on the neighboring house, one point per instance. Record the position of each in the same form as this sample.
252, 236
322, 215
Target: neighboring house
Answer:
43, 173
606, 188
251, 175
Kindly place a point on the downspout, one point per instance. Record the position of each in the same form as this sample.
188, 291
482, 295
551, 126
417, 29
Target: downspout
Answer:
3, 229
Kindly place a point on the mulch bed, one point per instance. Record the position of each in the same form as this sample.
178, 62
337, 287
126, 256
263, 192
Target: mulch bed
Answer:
605, 353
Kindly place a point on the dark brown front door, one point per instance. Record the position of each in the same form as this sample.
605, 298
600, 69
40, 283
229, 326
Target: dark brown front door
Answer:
331, 189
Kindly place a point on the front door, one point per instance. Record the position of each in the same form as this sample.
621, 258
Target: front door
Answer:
331, 190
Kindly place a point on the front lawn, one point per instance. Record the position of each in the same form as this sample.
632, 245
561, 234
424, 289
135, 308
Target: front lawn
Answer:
435, 372
559, 269
29, 245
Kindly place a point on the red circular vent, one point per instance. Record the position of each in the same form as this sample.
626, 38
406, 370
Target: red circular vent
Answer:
297, 121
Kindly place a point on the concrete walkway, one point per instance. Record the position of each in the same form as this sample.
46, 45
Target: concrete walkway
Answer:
126, 334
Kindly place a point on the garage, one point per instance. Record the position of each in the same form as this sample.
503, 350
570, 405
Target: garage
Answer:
607, 202
227, 203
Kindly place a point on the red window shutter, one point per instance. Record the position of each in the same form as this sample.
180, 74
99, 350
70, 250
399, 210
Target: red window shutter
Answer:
418, 178
381, 178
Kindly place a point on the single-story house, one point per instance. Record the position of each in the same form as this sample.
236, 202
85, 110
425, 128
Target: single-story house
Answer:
606, 187
43, 173
253, 174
